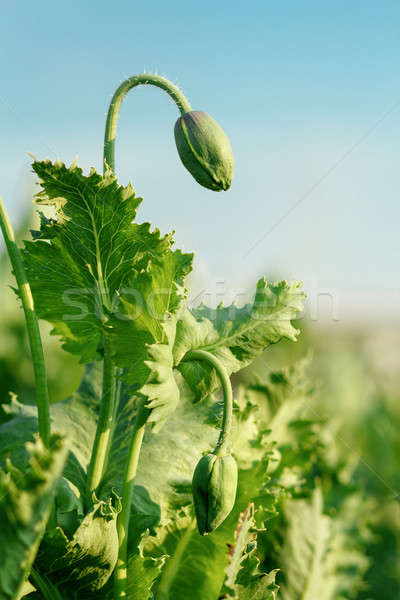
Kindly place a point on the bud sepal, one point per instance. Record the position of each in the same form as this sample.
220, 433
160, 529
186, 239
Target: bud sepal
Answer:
204, 149
214, 487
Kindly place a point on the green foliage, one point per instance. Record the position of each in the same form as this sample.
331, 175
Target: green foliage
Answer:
298, 527
236, 335
93, 262
243, 576
25, 506
86, 561
142, 573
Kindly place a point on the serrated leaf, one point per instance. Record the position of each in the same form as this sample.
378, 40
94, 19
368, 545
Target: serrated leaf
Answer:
143, 338
25, 506
154, 292
166, 459
85, 562
161, 389
262, 587
142, 574
304, 549
202, 560
245, 542
236, 335
84, 263
75, 417
280, 404
322, 556
281, 398
195, 559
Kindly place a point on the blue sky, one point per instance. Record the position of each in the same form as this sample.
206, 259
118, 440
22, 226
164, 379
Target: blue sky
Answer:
308, 93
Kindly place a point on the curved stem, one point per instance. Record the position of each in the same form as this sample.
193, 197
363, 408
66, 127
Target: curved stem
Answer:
39, 367
104, 425
177, 96
116, 101
224, 437
120, 573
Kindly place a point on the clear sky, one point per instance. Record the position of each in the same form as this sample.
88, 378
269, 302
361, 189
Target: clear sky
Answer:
308, 92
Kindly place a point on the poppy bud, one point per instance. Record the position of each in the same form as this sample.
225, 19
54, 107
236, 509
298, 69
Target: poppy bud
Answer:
214, 490
205, 150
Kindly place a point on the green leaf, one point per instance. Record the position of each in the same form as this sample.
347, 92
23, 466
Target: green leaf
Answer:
261, 587
167, 459
304, 548
202, 560
281, 398
143, 338
25, 505
152, 294
193, 558
85, 562
88, 264
322, 556
245, 542
75, 417
346, 561
142, 574
95, 273
280, 407
236, 335
161, 389
14, 433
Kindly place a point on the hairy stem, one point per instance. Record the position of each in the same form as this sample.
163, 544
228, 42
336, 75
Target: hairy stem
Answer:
137, 436
120, 574
104, 426
115, 105
100, 457
39, 367
224, 437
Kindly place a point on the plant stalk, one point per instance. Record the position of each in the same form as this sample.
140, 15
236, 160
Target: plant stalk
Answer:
115, 105
117, 374
120, 573
139, 427
224, 437
104, 426
35, 342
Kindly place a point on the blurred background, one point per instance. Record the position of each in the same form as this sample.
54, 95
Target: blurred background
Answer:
308, 95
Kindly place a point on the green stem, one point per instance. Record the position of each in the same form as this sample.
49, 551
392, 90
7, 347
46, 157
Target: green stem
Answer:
104, 425
116, 400
39, 367
139, 427
224, 437
115, 105
120, 573
109, 162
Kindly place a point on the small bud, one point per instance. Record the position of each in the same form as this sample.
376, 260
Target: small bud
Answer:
205, 150
214, 490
